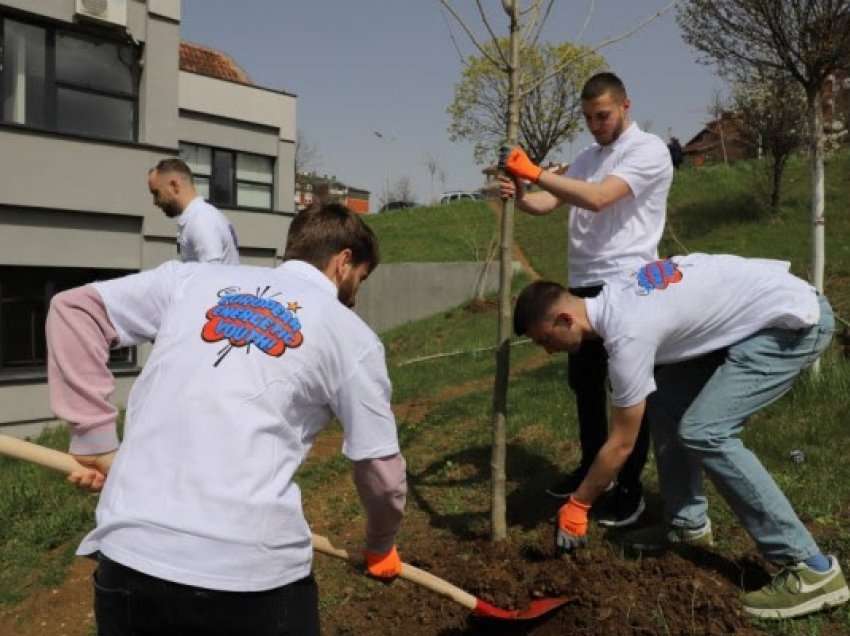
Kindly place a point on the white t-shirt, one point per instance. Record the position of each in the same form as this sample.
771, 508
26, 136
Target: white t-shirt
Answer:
205, 235
249, 364
688, 306
626, 233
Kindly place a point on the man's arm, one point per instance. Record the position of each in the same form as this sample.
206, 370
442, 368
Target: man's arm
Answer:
625, 427
571, 530
362, 405
382, 487
563, 189
595, 197
79, 335
534, 203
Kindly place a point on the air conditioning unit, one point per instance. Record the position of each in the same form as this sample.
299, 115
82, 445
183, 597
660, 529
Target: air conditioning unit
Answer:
112, 12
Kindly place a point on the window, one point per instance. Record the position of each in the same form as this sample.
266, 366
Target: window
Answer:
59, 80
231, 179
25, 294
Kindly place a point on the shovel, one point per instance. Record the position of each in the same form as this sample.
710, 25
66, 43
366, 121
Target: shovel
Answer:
480, 608
63, 462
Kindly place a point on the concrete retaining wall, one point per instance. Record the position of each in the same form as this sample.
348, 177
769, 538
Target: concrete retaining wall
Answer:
398, 293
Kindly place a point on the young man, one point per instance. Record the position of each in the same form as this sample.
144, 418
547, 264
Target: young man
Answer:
618, 189
203, 233
200, 528
728, 336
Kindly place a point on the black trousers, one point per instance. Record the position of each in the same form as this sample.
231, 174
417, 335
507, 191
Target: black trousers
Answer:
130, 603
587, 374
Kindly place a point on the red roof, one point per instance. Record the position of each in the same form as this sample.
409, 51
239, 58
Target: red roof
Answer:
203, 60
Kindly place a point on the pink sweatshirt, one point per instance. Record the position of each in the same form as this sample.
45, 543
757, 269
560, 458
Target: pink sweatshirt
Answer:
79, 337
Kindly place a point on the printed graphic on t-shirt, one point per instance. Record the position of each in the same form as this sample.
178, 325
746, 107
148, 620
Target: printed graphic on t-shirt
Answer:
657, 275
252, 319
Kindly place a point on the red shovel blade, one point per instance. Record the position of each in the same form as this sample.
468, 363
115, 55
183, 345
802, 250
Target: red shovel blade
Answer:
538, 608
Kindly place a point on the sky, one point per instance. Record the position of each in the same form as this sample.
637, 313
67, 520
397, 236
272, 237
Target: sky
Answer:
360, 67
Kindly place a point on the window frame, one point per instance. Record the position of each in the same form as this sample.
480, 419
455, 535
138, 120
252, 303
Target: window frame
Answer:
52, 281
235, 181
52, 85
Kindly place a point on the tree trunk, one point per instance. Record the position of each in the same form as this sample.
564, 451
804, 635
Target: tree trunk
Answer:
723, 141
776, 184
483, 273
816, 146
498, 511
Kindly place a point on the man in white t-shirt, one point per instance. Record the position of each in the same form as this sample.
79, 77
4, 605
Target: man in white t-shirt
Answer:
618, 190
703, 342
200, 523
203, 233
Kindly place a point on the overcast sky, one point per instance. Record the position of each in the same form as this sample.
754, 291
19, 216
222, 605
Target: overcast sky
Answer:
390, 66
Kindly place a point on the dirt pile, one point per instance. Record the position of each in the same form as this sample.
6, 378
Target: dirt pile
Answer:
693, 594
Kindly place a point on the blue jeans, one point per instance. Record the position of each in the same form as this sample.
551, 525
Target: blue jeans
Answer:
696, 417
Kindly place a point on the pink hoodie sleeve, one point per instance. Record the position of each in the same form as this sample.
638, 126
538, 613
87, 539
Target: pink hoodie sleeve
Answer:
382, 486
79, 336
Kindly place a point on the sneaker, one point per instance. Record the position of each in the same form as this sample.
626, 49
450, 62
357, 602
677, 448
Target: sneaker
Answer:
620, 508
663, 537
568, 485
797, 590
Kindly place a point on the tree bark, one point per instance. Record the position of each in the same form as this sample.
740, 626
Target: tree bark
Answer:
776, 186
817, 205
498, 510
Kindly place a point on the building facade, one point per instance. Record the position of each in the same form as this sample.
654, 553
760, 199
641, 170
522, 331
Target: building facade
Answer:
93, 94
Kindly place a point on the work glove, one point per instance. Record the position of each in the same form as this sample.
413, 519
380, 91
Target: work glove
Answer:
515, 162
571, 532
384, 566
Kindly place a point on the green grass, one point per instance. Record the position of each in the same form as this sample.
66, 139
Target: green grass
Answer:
440, 234
43, 518
716, 209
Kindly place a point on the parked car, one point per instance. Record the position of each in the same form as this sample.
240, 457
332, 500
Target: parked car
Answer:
459, 195
396, 205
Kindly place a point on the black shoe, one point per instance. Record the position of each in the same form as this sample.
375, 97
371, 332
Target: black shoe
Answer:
568, 485
620, 508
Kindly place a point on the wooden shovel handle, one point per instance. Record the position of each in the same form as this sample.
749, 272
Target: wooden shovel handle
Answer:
65, 463
409, 573
20, 449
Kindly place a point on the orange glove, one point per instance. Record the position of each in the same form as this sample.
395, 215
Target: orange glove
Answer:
572, 525
383, 566
517, 164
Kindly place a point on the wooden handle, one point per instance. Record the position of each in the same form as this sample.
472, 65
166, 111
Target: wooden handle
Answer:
20, 449
409, 573
63, 462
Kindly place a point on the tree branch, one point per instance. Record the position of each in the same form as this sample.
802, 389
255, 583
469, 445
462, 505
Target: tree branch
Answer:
590, 11
561, 67
492, 34
452, 36
471, 36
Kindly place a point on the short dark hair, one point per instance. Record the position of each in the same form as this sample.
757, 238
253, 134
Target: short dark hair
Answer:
173, 164
602, 83
534, 303
321, 231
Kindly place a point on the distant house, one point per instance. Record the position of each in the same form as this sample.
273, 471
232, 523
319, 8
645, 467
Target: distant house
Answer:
722, 139
310, 187
708, 145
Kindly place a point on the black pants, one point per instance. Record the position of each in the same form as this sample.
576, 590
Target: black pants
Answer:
129, 603
587, 375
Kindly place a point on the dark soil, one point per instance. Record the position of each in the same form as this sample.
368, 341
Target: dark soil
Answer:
693, 594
